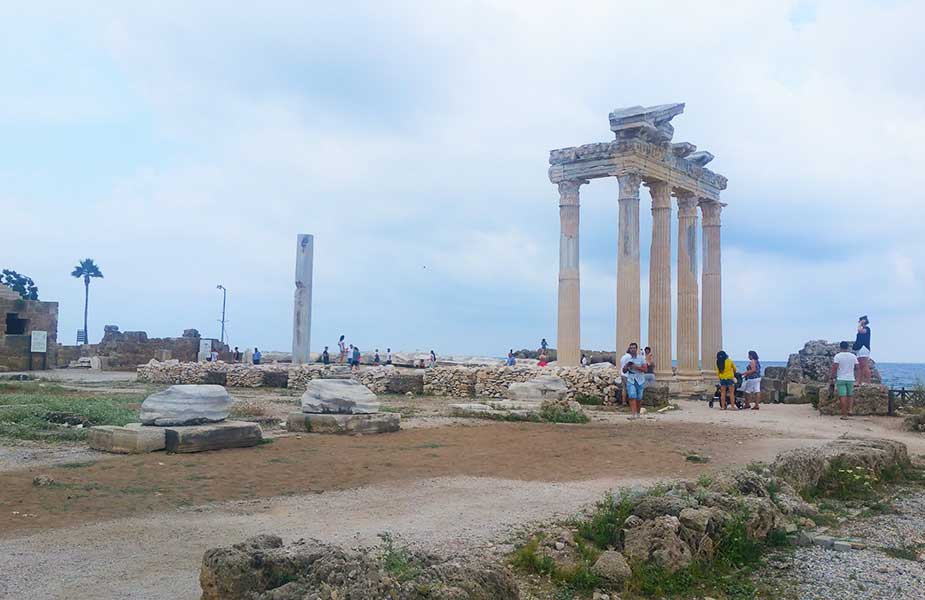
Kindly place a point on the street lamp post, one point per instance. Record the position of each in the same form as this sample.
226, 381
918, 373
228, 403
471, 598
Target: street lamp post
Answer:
224, 298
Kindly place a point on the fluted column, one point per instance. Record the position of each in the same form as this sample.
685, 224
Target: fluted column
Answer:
628, 311
660, 278
712, 318
568, 340
688, 313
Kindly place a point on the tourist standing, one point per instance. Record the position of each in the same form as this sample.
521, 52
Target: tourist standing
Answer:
543, 345
726, 371
650, 365
623, 360
342, 348
356, 358
388, 356
376, 359
511, 361
584, 360
843, 366
213, 356
350, 355
433, 359
543, 360
752, 377
237, 355
325, 357
634, 368
862, 347
257, 355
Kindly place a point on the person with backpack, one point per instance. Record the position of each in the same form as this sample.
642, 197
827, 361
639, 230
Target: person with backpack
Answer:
752, 377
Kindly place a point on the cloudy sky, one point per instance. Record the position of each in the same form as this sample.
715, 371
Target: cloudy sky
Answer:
184, 145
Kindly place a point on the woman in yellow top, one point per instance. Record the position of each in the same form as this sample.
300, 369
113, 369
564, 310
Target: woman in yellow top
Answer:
726, 371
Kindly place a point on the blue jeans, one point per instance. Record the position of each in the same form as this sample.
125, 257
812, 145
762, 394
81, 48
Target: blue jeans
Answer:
634, 389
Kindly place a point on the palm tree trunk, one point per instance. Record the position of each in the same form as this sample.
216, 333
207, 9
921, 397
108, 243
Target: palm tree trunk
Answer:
86, 303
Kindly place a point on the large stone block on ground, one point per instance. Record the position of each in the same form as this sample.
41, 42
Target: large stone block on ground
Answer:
338, 396
134, 438
470, 409
656, 394
803, 468
214, 436
869, 399
343, 424
186, 405
544, 387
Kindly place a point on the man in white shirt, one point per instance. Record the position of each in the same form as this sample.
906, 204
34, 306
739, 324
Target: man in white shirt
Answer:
843, 366
633, 367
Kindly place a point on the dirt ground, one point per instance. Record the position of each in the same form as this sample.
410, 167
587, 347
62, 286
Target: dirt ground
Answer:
136, 526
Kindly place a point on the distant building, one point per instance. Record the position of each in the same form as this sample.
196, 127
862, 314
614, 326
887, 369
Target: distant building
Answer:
19, 319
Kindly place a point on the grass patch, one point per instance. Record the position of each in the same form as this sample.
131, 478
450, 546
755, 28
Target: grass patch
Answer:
588, 400
405, 411
697, 458
396, 560
556, 414
605, 526
573, 579
845, 481
28, 411
903, 552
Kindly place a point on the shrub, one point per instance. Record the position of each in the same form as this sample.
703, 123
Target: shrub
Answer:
605, 527
589, 400
556, 414
845, 481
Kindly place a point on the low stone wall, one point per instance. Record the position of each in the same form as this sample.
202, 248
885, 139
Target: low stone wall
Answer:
219, 373
493, 382
869, 399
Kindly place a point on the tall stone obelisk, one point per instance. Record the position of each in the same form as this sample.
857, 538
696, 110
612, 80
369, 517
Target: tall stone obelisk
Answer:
302, 303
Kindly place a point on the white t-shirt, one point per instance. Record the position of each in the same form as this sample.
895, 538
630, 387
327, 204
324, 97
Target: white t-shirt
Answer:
846, 362
634, 376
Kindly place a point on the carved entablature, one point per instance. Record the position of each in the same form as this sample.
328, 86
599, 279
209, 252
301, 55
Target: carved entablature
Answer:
643, 146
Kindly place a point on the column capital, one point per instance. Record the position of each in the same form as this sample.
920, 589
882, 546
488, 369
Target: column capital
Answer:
687, 203
661, 194
568, 191
712, 212
629, 185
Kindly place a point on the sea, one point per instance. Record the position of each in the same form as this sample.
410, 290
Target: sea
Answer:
894, 375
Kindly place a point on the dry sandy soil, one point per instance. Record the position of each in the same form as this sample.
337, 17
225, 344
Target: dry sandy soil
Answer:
136, 526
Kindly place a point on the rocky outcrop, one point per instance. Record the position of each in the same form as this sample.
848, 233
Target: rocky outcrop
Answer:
339, 396
868, 399
611, 566
262, 568
186, 405
814, 363
803, 468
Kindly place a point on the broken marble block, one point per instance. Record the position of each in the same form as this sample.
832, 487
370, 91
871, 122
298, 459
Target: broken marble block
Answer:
186, 405
338, 396
544, 387
133, 438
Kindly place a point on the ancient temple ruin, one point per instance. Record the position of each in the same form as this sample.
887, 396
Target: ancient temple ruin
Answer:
643, 153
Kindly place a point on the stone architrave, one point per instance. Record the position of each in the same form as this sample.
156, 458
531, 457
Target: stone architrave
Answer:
628, 292
660, 278
688, 302
569, 322
186, 404
711, 340
302, 303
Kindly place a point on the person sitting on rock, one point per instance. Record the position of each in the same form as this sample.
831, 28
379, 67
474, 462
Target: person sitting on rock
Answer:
843, 367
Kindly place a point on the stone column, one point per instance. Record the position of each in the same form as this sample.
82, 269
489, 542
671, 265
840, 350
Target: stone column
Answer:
660, 278
712, 318
568, 338
628, 312
688, 313
302, 303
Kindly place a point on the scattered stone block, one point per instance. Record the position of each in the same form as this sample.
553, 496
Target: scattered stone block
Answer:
825, 541
189, 404
339, 396
841, 546
795, 389
469, 409
343, 424
214, 436
539, 389
134, 438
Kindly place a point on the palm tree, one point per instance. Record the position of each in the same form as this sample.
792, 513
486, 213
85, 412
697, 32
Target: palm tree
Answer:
86, 269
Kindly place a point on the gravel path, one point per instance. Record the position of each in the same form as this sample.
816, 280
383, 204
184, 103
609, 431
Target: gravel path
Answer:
158, 557
815, 573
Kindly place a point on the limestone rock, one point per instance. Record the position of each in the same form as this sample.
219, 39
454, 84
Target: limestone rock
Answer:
650, 507
539, 388
134, 438
347, 424
186, 405
611, 566
339, 396
264, 569
658, 540
869, 399
803, 468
